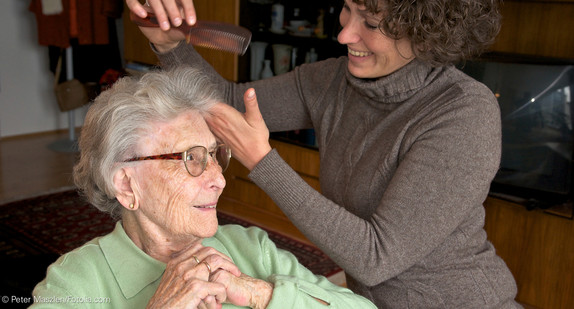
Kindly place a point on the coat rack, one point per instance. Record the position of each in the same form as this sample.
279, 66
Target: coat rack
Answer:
69, 144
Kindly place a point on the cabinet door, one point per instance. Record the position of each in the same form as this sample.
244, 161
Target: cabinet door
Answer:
224, 11
137, 49
244, 195
136, 45
537, 28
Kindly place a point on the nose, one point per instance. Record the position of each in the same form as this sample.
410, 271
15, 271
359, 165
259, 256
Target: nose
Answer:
349, 34
214, 174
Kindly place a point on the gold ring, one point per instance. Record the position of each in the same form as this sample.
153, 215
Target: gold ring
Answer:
208, 267
196, 259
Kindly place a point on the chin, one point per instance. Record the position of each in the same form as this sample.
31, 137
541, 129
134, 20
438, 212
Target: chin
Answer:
204, 228
210, 228
362, 71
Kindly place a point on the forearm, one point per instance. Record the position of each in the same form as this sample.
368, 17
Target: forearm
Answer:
341, 234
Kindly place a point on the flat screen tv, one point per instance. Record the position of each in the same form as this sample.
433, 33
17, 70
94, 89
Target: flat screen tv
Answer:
535, 97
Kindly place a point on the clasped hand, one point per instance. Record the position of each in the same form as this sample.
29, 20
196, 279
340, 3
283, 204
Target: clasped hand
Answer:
202, 277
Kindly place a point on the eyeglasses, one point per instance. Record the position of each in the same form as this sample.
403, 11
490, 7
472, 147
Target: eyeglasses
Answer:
195, 158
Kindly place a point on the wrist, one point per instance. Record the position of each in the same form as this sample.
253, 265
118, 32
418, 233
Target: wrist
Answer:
262, 295
257, 157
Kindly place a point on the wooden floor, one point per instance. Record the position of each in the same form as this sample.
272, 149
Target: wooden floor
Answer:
30, 167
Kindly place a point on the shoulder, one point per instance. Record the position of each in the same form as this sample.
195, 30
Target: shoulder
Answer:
321, 71
71, 269
457, 93
469, 84
87, 256
249, 247
231, 234
457, 81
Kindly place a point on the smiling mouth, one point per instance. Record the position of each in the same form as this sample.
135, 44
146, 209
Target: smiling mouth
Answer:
358, 53
206, 207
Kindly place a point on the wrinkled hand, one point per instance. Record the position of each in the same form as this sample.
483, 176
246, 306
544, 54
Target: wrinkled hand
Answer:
170, 14
244, 291
185, 282
246, 134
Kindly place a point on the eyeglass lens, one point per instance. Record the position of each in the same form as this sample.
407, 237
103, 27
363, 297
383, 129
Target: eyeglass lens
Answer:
196, 160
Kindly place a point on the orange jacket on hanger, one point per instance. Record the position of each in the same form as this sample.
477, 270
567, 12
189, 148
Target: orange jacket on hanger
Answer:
91, 26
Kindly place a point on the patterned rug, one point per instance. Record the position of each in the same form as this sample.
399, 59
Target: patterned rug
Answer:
54, 224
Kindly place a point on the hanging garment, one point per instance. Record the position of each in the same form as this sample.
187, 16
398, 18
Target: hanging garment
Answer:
58, 29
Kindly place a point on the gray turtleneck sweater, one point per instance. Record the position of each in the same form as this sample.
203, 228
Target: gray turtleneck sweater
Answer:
406, 163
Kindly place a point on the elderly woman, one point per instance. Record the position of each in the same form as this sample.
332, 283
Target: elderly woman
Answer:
149, 159
408, 146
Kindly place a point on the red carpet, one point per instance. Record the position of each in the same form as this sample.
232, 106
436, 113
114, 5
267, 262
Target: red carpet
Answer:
59, 222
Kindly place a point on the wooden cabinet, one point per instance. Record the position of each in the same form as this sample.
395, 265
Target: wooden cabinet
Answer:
136, 45
538, 247
243, 198
137, 48
537, 28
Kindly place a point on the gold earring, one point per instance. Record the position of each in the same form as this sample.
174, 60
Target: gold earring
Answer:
132, 206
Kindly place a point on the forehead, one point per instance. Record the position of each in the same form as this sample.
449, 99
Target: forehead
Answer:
371, 9
186, 130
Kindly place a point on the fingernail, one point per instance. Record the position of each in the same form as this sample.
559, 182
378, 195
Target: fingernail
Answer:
177, 22
165, 25
191, 20
251, 94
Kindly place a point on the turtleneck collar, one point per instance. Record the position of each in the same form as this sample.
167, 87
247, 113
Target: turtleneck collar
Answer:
398, 86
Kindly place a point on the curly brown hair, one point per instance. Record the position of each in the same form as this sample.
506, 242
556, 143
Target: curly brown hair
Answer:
440, 31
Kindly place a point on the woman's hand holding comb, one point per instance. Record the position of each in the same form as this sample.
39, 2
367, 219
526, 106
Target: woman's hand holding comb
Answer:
166, 36
176, 11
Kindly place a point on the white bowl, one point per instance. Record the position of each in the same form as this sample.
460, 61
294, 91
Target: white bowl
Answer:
298, 23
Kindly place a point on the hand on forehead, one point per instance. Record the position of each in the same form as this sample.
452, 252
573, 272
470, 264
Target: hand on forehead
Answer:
187, 130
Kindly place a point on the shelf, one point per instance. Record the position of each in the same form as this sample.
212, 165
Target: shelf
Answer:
257, 18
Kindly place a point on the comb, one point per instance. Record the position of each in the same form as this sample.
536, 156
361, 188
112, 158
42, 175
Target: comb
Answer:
209, 34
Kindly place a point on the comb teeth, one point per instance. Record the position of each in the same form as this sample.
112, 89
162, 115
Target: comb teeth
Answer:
218, 40
209, 34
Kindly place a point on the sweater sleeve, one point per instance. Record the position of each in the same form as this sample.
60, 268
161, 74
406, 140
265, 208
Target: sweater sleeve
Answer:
295, 286
441, 181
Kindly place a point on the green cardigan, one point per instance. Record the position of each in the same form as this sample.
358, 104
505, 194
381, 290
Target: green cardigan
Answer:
112, 271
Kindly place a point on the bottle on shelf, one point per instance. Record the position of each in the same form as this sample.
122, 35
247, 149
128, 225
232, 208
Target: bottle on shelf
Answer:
266, 72
311, 56
277, 18
257, 56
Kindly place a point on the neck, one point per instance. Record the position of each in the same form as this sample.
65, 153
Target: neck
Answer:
154, 240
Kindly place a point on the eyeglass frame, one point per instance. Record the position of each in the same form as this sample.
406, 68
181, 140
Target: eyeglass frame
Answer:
183, 157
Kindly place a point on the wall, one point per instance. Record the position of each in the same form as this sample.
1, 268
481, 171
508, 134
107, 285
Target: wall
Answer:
27, 102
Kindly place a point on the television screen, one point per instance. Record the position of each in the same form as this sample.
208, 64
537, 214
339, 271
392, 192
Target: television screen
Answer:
537, 135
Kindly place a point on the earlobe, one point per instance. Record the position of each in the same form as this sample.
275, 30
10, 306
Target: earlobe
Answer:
124, 191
